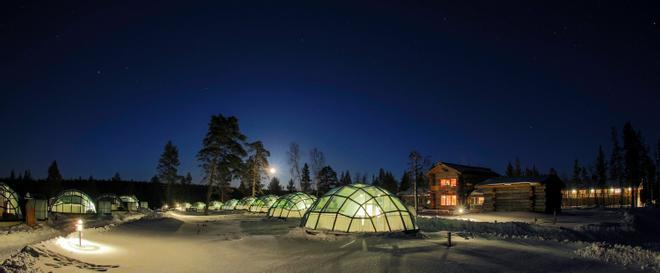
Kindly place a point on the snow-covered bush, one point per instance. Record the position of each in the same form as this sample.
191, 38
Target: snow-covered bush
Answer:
621, 254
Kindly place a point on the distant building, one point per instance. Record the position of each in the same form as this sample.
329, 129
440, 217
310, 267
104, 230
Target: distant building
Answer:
450, 184
537, 194
609, 195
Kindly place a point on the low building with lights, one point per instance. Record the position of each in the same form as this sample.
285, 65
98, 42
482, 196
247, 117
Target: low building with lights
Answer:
612, 195
536, 194
450, 184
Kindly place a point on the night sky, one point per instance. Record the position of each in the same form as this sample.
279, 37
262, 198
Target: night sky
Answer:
101, 86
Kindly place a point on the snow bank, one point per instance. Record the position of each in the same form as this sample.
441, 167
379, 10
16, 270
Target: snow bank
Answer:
504, 230
22, 262
622, 255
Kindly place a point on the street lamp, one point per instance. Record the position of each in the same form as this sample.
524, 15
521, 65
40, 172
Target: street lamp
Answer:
79, 228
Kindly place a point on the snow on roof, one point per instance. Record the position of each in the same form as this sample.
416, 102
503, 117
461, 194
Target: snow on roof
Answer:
514, 180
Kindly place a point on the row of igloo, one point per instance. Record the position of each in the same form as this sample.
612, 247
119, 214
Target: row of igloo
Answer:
67, 202
350, 208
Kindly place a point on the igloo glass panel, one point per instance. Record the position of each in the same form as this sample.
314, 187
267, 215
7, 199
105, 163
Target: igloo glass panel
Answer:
335, 204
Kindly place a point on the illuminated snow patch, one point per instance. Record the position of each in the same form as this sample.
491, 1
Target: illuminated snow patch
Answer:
87, 247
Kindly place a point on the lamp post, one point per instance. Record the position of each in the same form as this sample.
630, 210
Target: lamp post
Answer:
79, 228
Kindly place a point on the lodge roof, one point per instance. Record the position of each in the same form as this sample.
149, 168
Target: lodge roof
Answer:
464, 168
515, 180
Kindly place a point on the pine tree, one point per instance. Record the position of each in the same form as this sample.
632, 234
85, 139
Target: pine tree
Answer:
405, 182
12, 175
346, 179
257, 165
517, 172
535, 171
586, 180
27, 176
327, 180
187, 180
577, 171
274, 186
389, 183
601, 170
616, 162
291, 187
415, 164
552, 171
378, 180
317, 162
631, 158
528, 172
294, 162
167, 169
648, 174
305, 180
154, 179
221, 156
116, 178
509, 170
54, 173
656, 188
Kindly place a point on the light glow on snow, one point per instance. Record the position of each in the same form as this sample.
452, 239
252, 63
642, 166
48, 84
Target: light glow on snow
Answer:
87, 247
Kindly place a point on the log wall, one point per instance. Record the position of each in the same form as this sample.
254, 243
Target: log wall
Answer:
514, 198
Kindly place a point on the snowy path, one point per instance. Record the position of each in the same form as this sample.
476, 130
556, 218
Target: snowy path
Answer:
244, 243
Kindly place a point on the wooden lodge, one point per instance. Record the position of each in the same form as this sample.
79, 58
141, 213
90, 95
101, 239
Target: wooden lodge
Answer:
450, 184
537, 194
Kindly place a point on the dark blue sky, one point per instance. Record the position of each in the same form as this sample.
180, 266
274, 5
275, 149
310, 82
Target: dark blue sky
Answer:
101, 87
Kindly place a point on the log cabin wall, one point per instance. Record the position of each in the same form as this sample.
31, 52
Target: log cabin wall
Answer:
523, 197
537, 194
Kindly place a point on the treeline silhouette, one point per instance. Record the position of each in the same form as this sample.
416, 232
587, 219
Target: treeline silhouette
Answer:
154, 193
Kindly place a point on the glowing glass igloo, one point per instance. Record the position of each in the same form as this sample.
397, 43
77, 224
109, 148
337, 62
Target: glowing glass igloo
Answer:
230, 205
245, 203
293, 205
9, 206
215, 205
73, 201
358, 208
263, 203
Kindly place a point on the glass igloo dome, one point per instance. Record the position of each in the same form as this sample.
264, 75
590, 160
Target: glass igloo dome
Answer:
293, 205
198, 206
73, 201
215, 205
245, 203
358, 208
230, 205
9, 207
263, 203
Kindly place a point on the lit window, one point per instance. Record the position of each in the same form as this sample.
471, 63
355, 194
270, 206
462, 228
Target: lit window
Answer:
448, 200
453, 182
445, 182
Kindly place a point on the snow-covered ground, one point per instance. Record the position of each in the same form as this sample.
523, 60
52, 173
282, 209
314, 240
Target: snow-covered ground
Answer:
250, 243
569, 218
